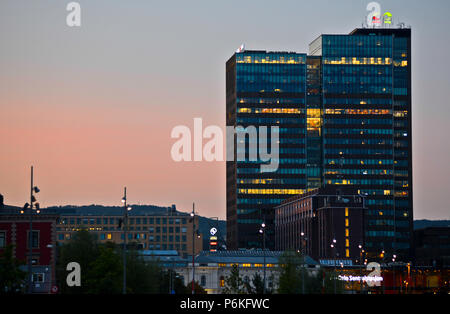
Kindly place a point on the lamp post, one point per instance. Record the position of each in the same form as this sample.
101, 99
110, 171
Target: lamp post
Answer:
33, 189
193, 247
303, 261
393, 272
382, 263
262, 231
333, 246
125, 225
360, 268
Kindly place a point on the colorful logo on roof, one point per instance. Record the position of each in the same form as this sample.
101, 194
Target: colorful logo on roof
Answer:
374, 18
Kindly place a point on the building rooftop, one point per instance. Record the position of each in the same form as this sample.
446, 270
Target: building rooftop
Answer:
244, 257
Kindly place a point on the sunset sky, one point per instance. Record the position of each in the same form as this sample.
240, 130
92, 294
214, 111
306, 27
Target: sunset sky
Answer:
92, 108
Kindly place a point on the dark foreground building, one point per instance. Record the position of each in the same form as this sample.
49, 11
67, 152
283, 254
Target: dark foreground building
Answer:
314, 221
432, 246
350, 126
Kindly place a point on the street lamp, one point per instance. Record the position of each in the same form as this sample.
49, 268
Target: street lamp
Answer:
33, 189
126, 209
393, 271
193, 246
360, 267
333, 246
303, 238
262, 231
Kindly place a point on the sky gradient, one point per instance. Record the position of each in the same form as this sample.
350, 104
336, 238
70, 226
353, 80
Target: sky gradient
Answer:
92, 107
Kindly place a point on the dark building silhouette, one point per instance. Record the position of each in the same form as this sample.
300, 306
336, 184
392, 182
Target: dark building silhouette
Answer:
432, 247
310, 222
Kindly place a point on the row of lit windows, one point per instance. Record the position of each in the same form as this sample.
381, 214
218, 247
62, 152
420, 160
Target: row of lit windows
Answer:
271, 181
244, 265
272, 58
359, 181
270, 110
271, 191
358, 61
358, 111
364, 61
112, 221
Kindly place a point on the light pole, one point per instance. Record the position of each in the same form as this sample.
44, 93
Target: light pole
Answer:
382, 263
193, 247
125, 225
33, 189
303, 261
393, 272
263, 232
360, 268
333, 246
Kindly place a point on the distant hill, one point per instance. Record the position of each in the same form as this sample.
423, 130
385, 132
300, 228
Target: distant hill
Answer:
424, 223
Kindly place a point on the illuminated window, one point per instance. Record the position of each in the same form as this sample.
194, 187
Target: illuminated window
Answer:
246, 265
346, 212
222, 281
222, 265
109, 236
347, 253
346, 222
347, 232
347, 243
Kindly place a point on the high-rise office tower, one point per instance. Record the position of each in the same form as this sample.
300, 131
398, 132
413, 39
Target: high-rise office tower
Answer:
357, 126
366, 131
264, 89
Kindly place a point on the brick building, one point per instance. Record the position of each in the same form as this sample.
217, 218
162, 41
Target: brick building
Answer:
15, 228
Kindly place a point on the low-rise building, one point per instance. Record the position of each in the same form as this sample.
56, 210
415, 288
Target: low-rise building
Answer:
213, 268
149, 231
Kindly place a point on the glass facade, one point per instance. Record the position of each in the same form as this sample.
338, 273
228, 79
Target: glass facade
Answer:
344, 113
366, 129
265, 89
